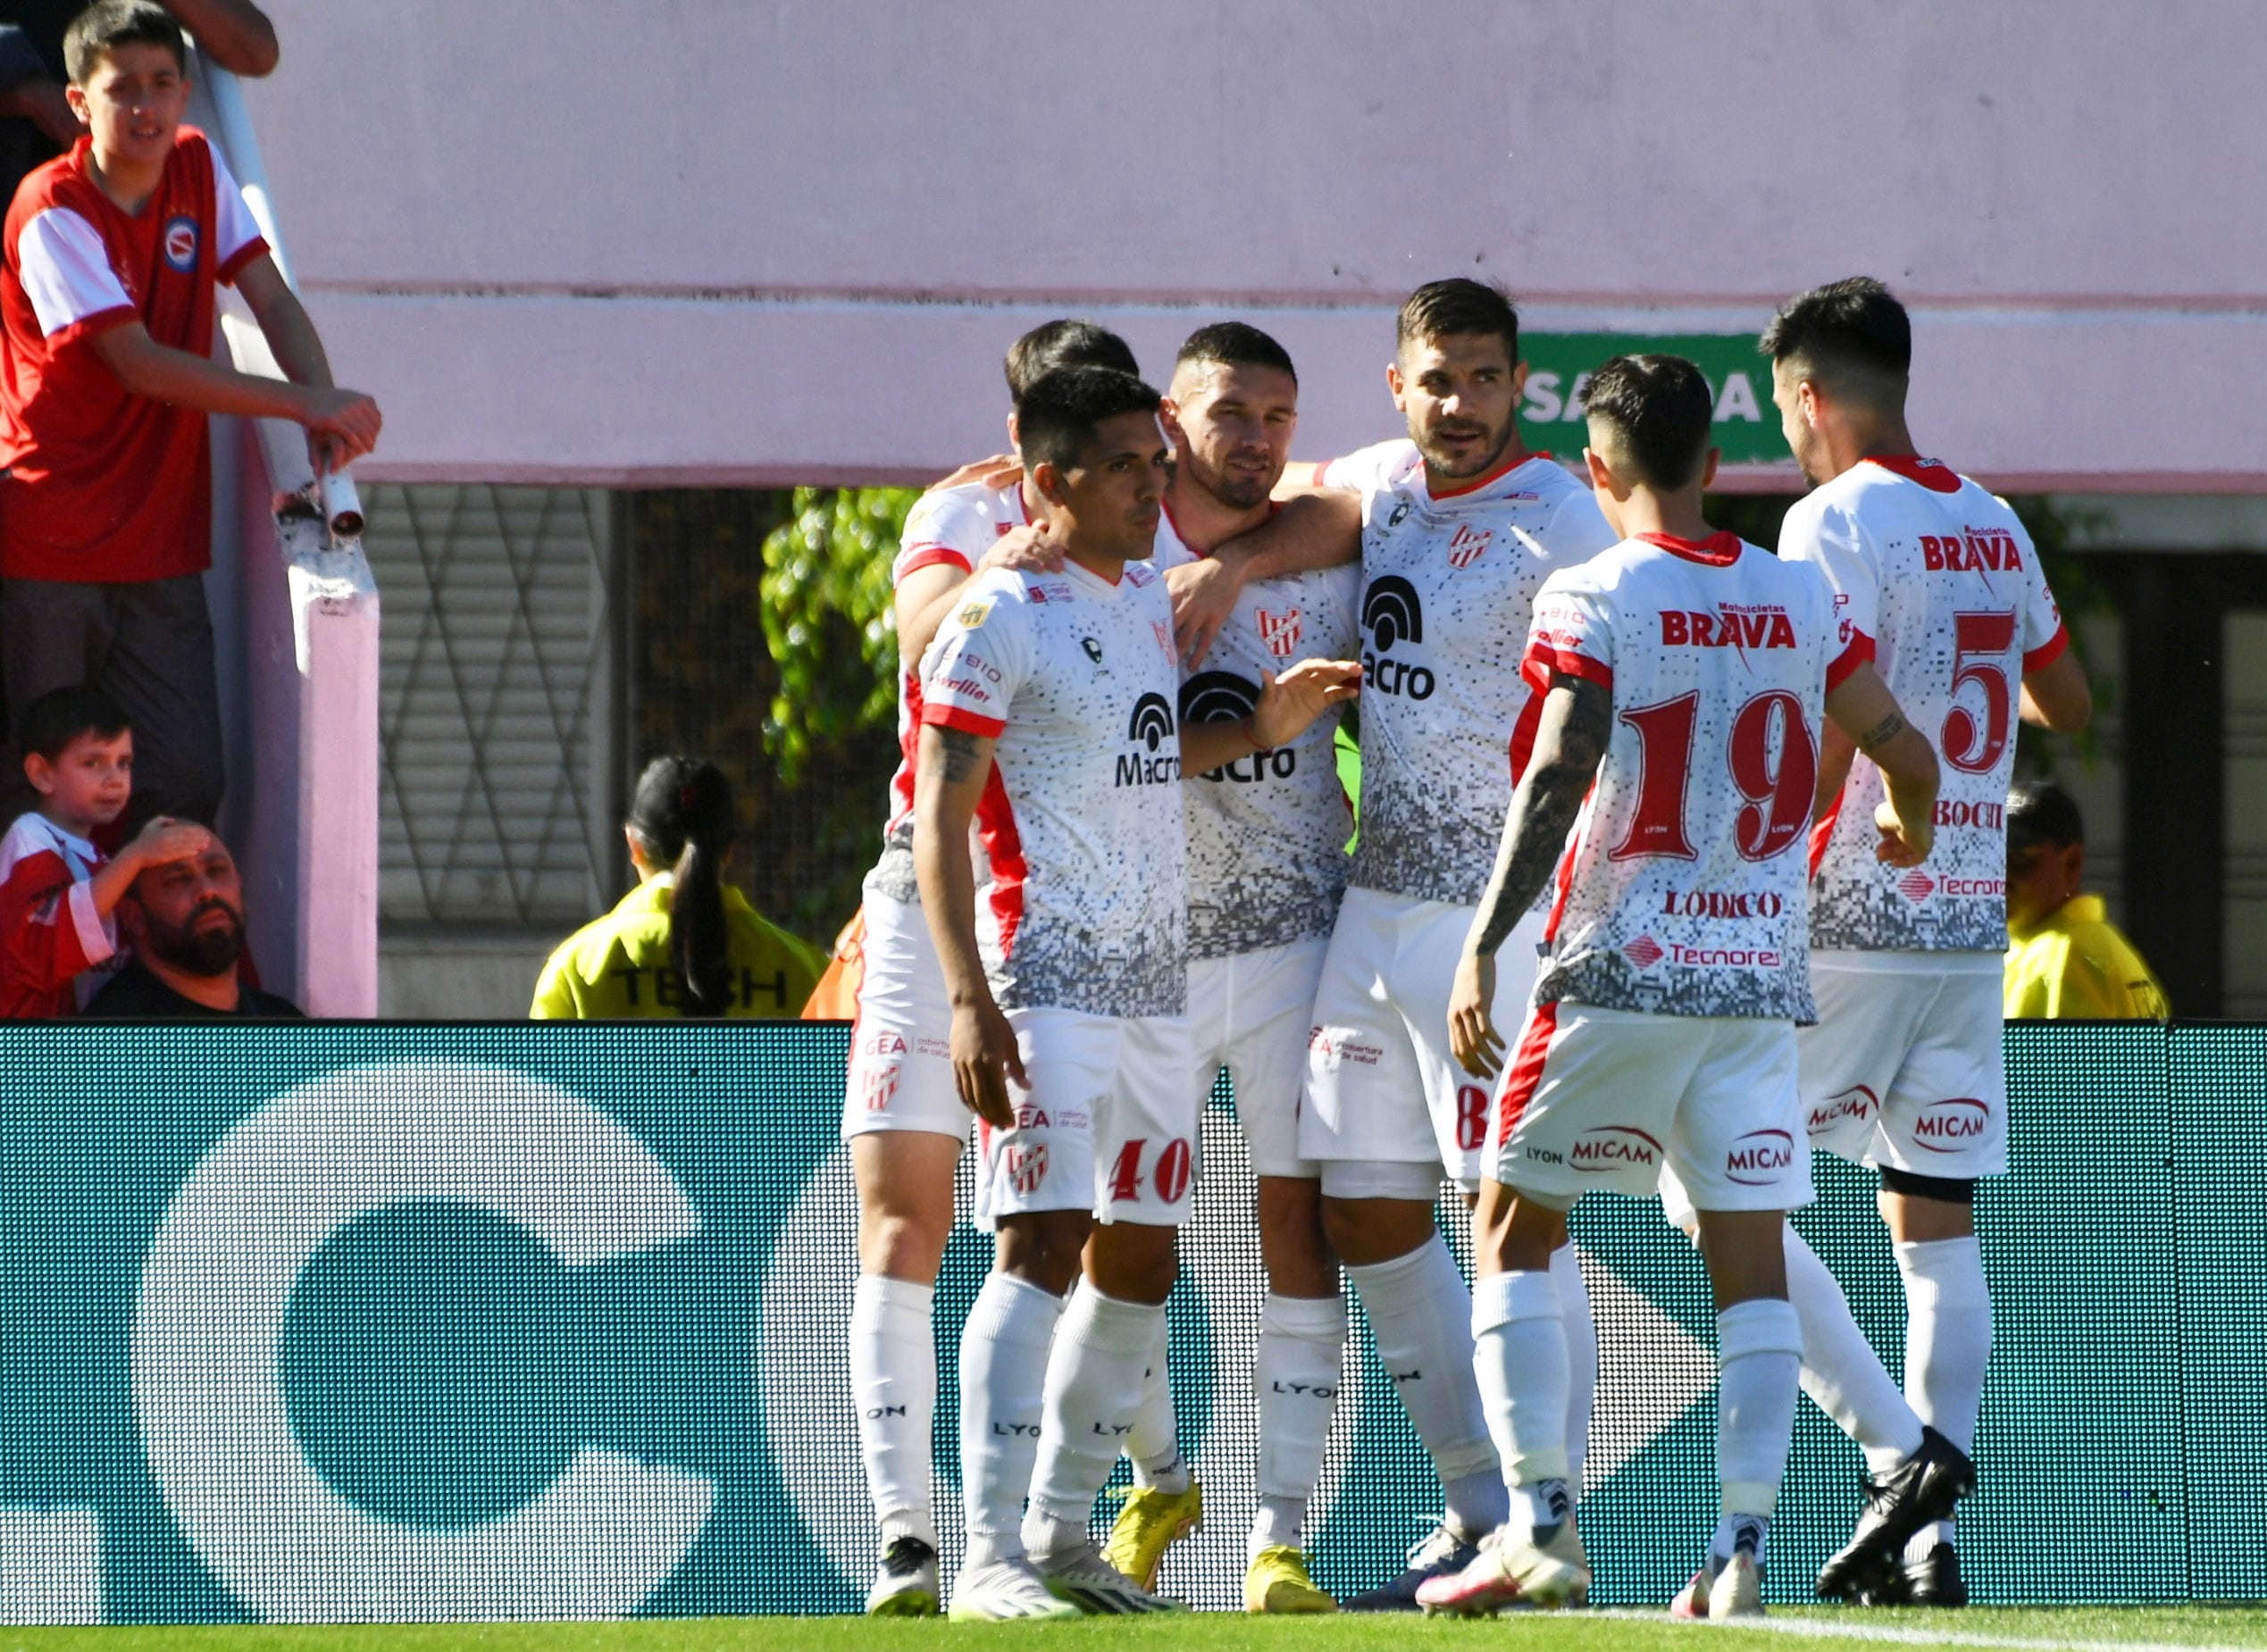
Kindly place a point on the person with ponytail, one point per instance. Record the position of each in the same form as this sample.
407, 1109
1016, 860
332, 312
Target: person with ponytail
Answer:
684, 943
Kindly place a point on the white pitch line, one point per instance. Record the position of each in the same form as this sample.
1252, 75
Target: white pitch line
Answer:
1828, 1631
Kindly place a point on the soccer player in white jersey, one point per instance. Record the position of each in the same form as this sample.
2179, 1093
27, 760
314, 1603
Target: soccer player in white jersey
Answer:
1456, 528
1049, 724
1903, 1069
1686, 672
1267, 864
902, 1115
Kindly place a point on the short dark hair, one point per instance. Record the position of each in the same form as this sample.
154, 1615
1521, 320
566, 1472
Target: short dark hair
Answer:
110, 24
1443, 309
1235, 343
1060, 413
1659, 410
1065, 343
2041, 811
1849, 333
51, 722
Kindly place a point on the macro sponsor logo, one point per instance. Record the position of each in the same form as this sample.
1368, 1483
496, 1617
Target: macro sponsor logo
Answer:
1644, 951
1990, 816
1222, 696
1855, 1105
1759, 1158
1720, 904
1975, 550
1150, 727
1336, 1050
1278, 632
1916, 886
1613, 1147
1731, 627
1467, 547
1392, 615
1949, 1126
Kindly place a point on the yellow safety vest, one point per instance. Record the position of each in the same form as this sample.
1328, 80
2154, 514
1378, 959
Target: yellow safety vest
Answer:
618, 969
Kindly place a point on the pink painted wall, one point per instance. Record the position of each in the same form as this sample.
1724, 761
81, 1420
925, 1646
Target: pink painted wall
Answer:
723, 241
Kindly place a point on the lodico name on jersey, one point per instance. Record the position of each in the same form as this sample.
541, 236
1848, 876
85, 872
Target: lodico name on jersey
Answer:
1392, 614
1151, 728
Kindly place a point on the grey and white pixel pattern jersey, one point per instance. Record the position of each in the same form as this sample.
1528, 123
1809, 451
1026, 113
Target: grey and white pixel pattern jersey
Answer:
1682, 888
952, 526
1942, 578
1077, 680
1448, 588
1268, 833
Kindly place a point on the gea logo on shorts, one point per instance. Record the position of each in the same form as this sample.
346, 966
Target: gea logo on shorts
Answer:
1948, 1126
1150, 727
1759, 1158
1857, 1104
1392, 615
1610, 1147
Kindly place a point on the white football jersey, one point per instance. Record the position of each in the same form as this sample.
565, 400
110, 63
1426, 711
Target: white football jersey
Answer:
1076, 678
1448, 586
1266, 833
954, 526
1942, 578
1682, 889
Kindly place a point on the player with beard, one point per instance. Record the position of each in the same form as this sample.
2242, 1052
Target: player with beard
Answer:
1456, 528
185, 921
1903, 1069
902, 1115
1268, 866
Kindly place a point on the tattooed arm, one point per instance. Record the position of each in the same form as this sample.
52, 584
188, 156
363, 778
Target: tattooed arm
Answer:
1863, 716
948, 780
1570, 743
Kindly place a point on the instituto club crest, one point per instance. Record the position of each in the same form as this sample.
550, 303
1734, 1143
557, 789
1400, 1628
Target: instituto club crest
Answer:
1279, 631
1467, 547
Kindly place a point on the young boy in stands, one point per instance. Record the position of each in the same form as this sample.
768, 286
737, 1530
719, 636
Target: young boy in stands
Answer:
57, 890
109, 260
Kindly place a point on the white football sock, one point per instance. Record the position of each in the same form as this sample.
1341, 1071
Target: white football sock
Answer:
1751, 1532
1841, 1372
1519, 1360
1155, 1443
1582, 1357
1294, 1379
1003, 1374
1760, 1357
1948, 1347
893, 1377
1093, 1385
1421, 1315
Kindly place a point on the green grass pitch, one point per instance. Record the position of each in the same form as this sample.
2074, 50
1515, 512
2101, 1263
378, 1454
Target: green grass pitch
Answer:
2072, 1628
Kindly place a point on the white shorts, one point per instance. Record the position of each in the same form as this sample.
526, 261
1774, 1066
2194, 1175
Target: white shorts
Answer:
1604, 1099
1110, 1123
1382, 1085
900, 1044
1250, 1013
1904, 1067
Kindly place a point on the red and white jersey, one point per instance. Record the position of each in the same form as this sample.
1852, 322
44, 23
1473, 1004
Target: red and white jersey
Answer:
952, 526
1447, 584
1942, 578
1076, 679
1682, 889
97, 483
1266, 833
51, 940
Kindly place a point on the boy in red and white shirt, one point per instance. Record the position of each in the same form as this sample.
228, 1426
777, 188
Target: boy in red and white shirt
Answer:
109, 260
1687, 675
57, 890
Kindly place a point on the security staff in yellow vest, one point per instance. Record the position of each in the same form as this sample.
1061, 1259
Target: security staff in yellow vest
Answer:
684, 943
2065, 959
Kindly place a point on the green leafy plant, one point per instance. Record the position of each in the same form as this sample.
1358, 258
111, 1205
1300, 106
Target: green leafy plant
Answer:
828, 619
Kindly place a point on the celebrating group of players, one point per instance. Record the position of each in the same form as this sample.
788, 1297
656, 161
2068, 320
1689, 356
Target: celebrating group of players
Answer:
1714, 794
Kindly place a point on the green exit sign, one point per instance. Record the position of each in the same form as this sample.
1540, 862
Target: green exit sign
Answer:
1747, 426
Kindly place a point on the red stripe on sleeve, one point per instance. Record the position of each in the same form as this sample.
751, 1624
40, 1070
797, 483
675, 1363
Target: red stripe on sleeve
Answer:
2049, 651
1543, 660
227, 274
932, 556
938, 716
88, 326
1859, 653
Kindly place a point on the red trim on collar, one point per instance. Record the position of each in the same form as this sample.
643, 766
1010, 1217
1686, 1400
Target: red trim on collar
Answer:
1721, 549
1477, 482
1934, 474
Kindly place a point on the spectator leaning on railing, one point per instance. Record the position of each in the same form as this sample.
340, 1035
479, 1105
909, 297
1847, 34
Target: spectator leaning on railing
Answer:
184, 919
684, 943
108, 265
2066, 961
